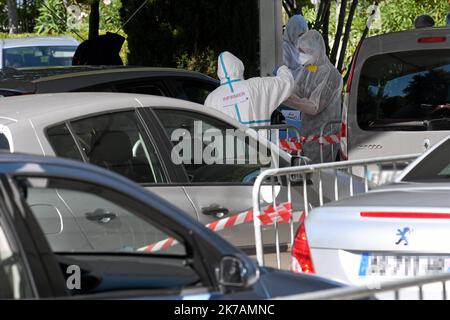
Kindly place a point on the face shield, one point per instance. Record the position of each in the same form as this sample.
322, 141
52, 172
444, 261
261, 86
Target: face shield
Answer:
312, 48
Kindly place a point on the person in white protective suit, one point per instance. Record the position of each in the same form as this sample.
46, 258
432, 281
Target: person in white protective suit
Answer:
317, 94
251, 101
295, 28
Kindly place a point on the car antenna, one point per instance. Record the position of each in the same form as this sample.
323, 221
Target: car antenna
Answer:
54, 14
132, 16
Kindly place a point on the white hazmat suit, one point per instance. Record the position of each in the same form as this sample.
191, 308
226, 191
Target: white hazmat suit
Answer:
252, 101
295, 27
317, 94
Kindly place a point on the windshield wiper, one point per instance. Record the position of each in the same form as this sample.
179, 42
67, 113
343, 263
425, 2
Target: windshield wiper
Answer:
423, 123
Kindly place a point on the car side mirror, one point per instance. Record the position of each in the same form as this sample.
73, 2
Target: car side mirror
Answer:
237, 272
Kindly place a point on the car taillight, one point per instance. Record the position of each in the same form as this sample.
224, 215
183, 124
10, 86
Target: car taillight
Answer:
301, 259
431, 39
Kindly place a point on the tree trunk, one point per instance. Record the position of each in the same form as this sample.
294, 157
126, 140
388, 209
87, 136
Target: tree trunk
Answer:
94, 19
13, 17
326, 25
347, 33
319, 15
340, 26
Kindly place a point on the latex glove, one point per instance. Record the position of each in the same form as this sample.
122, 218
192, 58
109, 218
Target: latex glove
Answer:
275, 71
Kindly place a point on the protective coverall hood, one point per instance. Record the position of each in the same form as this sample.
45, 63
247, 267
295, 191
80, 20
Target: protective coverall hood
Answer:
312, 43
229, 67
295, 27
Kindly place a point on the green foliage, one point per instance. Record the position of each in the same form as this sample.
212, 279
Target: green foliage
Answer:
192, 33
52, 17
204, 62
110, 16
396, 15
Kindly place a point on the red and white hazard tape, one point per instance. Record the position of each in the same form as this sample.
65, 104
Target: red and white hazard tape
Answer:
269, 215
292, 145
324, 140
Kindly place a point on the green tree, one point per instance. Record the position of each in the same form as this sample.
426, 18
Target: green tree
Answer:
192, 33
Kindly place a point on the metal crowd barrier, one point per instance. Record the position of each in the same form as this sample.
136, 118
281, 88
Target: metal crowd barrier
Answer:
292, 175
323, 141
276, 128
363, 292
293, 146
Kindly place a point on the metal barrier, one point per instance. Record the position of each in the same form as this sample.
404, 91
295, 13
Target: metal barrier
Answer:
363, 292
294, 145
293, 175
290, 146
328, 140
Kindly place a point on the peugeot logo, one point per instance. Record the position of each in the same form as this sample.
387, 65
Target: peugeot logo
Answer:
403, 235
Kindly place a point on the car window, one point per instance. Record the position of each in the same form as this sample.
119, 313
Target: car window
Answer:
76, 217
4, 143
405, 91
141, 87
116, 242
195, 91
38, 56
113, 141
14, 283
63, 143
435, 167
237, 161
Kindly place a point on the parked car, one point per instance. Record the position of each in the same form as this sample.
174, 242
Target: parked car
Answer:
41, 256
131, 134
394, 231
398, 91
37, 52
168, 82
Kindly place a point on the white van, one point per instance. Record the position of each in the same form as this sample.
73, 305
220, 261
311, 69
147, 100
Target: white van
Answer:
397, 99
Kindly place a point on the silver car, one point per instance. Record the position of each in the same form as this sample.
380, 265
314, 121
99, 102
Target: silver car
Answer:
395, 231
130, 134
37, 52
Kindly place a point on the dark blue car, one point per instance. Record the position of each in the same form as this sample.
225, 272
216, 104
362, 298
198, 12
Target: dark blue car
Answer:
43, 198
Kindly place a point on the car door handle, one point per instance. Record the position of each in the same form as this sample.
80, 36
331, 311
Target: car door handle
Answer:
214, 210
101, 215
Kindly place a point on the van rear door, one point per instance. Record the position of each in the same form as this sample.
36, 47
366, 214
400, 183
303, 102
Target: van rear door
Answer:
399, 99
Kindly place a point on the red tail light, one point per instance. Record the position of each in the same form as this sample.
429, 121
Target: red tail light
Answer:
301, 259
431, 39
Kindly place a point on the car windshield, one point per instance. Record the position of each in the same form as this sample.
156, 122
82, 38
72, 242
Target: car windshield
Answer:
435, 167
38, 56
404, 91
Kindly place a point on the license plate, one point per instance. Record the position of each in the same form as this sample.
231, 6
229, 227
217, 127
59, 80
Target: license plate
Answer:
402, 266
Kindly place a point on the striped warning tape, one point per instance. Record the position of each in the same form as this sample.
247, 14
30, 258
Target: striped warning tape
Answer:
293, 145
281, 214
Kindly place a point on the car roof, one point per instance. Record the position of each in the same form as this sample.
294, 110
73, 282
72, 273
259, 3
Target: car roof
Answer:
405, 40
413, 31
56, 107
72, 77
38, 41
